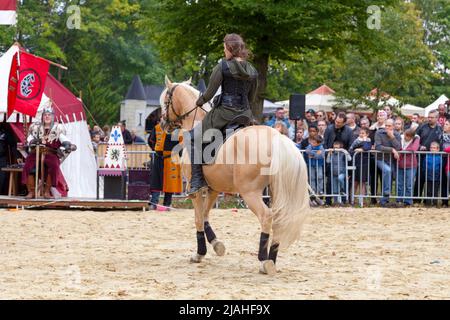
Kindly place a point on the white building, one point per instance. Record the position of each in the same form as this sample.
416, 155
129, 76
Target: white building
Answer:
141, 105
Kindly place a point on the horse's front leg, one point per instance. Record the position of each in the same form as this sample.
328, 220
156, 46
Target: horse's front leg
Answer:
199, 225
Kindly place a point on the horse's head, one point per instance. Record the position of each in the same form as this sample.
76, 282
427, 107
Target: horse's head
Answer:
177, 105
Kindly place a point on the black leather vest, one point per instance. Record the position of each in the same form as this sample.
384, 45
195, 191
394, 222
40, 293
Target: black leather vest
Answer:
234, 91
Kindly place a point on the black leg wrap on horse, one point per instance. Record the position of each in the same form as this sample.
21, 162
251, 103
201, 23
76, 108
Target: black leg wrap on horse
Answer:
210, 235
201, 243
273, 252
263, 242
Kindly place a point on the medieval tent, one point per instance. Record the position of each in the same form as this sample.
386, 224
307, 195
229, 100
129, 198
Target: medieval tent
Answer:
435, 104
80, 167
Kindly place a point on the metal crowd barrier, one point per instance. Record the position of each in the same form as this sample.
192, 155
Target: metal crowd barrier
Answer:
415, 176
328, 174
337, 176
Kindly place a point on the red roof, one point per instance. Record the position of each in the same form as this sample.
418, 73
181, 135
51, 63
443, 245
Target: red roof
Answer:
323, 90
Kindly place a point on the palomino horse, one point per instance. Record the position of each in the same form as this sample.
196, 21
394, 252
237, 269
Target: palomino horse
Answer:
250, 160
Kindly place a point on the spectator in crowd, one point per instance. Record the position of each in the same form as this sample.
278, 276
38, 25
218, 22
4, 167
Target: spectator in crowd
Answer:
322, 125
135, 138
446, 186
95, 137
331, 117
313, 131
310, 116
388, 111
315, 154
337, 131
337, 159
299, 138
361, 146
415, 122
433, 170
446, 158
398, 125
281, 128
97, 129
321, 115
428, 132
443, 114
107, 131
280, 116
389, 143
407, 167
364, 122
127, 139
381, 118
351, 123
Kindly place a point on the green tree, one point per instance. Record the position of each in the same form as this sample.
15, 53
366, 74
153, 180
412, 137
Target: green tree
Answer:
102, 56
274, 29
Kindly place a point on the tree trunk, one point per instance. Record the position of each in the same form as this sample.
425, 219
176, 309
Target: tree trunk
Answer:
262, 65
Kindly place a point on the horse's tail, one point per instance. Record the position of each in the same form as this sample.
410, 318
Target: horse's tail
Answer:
289, 190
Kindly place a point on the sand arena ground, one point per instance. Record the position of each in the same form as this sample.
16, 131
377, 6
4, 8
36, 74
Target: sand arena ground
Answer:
344, 253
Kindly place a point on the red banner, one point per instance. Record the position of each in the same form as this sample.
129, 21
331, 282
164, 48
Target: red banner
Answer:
12, 85
30, 87
8, 5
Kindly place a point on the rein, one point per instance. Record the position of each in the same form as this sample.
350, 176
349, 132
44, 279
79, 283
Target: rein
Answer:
168, 105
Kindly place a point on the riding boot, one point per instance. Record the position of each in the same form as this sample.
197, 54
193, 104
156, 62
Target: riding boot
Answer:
48, 185
30, 188
198, 182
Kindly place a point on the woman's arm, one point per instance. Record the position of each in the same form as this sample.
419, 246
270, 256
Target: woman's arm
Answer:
214, 83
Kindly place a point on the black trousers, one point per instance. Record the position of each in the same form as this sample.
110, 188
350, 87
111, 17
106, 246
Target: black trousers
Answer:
433, 188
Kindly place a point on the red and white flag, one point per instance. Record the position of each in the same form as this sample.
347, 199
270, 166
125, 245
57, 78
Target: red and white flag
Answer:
26, 83
8, 13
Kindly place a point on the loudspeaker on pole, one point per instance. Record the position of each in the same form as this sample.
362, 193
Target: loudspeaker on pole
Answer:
297, 103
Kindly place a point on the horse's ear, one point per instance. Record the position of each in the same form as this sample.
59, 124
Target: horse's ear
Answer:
188, 81
168, 82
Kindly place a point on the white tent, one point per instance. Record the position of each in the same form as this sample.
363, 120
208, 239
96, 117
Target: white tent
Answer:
80, 167
409, 110
435, 104
269, 107
322, 98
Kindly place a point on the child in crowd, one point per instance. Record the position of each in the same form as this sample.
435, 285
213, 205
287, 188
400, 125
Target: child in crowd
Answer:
407, 167
95, 141
433, 162
315, 154
337, 158
360, 146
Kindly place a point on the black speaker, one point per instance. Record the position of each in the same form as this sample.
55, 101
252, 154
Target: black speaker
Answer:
297, 104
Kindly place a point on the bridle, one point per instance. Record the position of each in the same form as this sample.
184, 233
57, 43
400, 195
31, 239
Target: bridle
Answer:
168, 105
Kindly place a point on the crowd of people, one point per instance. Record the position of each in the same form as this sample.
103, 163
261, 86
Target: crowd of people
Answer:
101, 135
380, 151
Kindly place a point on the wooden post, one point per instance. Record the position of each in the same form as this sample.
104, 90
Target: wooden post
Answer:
36, 177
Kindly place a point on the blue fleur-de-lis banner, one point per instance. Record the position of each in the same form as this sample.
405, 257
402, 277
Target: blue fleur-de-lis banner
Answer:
115, 135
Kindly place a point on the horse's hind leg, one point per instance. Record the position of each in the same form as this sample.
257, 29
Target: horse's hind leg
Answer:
199, 225
258, 207
218, 246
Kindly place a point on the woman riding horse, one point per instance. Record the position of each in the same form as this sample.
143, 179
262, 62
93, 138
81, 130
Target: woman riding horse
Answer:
238, 79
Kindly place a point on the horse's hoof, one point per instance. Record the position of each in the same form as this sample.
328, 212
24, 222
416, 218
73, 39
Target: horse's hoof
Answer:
196, 258
268, 267
218, 247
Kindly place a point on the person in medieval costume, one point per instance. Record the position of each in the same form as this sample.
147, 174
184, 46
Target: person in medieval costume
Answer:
50, 134
239, 81
165, 174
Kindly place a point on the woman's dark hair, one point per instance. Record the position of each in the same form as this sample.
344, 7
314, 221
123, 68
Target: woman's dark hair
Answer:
236, 45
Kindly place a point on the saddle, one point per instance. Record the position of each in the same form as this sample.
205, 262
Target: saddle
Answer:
237, 123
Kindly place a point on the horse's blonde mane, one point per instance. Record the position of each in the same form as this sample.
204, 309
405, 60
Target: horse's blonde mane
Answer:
194, 93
